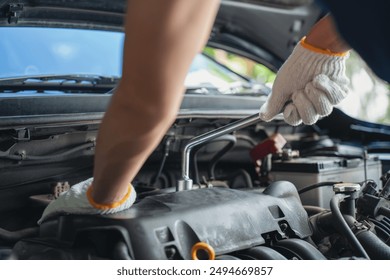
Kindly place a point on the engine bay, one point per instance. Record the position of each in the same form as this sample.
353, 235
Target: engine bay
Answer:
213, 189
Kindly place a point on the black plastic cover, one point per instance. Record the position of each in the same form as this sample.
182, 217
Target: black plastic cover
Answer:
167, 226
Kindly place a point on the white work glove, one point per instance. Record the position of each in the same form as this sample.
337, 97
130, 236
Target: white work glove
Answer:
77, 200
307, 86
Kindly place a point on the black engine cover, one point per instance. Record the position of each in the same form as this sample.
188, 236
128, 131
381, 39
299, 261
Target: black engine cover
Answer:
227, 219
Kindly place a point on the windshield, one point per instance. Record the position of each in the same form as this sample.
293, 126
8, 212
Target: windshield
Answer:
47, 51
31, 51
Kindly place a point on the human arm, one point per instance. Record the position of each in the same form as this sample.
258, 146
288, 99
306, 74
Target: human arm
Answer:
161, 40
312, 80
324, 35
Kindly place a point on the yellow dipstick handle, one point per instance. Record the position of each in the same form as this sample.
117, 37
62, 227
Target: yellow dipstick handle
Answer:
202, 246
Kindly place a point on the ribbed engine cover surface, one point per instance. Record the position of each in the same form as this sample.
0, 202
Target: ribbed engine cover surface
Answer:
226, 219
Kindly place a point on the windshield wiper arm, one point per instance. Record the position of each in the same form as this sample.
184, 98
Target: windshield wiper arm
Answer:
68, 83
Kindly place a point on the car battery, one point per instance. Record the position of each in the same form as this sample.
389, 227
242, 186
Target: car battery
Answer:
307, 171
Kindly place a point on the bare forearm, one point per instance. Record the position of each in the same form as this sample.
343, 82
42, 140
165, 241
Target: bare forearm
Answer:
162, 38
324, 35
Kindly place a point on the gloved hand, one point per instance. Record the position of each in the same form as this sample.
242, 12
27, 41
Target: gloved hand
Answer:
307, 86
77, 200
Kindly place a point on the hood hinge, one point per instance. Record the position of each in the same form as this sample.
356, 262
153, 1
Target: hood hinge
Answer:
13, 12
23, 134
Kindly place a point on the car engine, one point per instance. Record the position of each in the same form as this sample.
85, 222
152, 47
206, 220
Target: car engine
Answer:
208, 193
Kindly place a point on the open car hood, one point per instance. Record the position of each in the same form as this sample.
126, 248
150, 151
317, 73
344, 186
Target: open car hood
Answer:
244, 27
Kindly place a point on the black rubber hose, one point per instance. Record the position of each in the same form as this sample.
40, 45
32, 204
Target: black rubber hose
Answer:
384, 211
227, 257
261, 253
344, 227
162, 164
232, 140
322, 225
195, 166
316, 186
374, 246
15, 236
301, 249
239, 173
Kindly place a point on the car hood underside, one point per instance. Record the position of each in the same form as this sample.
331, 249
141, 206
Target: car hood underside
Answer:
244, 27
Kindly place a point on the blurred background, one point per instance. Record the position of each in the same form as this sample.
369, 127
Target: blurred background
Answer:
369, 97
